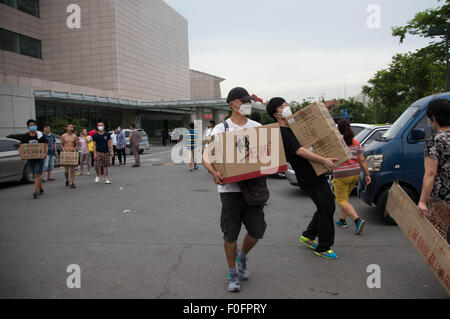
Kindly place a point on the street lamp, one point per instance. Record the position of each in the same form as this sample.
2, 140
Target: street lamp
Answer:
434, 31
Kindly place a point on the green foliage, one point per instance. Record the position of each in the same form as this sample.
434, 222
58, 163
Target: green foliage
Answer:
356, 109
58, 125
412, 75
266, 119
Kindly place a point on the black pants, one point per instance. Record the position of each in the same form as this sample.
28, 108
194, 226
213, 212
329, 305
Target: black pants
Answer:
121, 153
322, 223
92, 159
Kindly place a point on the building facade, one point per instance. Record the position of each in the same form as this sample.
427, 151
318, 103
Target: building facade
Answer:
136, 51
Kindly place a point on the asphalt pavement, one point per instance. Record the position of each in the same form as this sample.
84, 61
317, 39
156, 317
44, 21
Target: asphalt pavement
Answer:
155, 233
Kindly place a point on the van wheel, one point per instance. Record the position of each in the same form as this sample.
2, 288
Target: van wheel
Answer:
141, 151
382, 200
28, 176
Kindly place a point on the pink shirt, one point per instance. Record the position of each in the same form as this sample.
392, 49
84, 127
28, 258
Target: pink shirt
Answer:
84, 145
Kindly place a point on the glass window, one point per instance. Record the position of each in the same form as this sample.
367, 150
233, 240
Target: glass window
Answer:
30, 47
7, 146
9, 41
14, 42
50, 111
375, 136
29, 6
401, 121
10, 3
423, 123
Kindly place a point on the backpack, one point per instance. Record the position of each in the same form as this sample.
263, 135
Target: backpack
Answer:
255, 190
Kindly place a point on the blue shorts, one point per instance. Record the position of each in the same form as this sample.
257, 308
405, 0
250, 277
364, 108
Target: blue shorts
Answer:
36, 166
49, 163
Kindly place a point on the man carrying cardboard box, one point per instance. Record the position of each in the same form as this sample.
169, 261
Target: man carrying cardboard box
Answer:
322, 224
235, 209
69, 143
35, 165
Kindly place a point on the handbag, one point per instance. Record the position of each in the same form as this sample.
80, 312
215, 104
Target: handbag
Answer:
255, 191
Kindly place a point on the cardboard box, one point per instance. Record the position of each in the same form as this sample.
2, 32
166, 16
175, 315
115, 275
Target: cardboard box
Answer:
315, 129
433, 248
311, 122
32, 151
68, 158
329, 145
250, 153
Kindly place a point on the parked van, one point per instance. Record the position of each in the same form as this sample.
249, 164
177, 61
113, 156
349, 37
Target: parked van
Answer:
399, 156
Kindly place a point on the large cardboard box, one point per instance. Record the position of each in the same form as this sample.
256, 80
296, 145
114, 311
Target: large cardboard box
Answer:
249, 153
32, 151
68, 158
311, 122
433, 248
329, 145
316, 130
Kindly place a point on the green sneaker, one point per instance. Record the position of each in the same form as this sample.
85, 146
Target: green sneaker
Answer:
308, 242
327, 254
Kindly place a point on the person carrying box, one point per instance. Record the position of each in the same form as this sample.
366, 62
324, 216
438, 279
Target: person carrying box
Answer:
317, 188
35, 165
235, 210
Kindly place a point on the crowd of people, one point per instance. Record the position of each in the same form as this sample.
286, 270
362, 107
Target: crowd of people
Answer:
97, 149
320, 233
101, 148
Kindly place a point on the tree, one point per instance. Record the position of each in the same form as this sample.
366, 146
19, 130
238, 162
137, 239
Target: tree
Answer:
412, 75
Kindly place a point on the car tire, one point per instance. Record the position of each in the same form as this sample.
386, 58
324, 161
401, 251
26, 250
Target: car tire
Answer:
128, 150
382, 200
141, 151
28, 176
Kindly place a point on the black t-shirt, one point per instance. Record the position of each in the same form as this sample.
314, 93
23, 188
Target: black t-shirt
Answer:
28, 139
101, 142
304, 172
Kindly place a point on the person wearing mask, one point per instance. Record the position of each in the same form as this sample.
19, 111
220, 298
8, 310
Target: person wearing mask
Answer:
235, 209
135, 140
121, 147
114, 143
317, 187
50, 159
85, 139
191, 140
103, 151
346, 175
69, 143
434, 201
35, 165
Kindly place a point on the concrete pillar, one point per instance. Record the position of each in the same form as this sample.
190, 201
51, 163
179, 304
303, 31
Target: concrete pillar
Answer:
17, 106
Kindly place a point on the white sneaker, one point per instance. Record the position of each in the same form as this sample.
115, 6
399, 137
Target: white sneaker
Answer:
97, 179
107, 181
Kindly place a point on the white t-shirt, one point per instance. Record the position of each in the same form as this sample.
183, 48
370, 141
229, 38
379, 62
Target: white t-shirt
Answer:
114, 139
233, 187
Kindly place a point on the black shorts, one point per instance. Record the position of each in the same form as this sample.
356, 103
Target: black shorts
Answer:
235, 212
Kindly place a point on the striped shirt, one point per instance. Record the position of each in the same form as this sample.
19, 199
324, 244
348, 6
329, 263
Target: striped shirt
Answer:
352, 166
191, 139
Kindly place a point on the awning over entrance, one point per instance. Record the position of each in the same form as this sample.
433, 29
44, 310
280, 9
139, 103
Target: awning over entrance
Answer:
184, 107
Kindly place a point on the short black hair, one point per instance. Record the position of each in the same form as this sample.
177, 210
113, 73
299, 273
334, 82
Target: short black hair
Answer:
273, 104
31, 121
212, 122
133, 125
45, 125
191, 125
440, 109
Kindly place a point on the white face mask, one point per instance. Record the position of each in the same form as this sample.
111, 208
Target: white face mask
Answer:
101, 128
286, 112
245, 109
